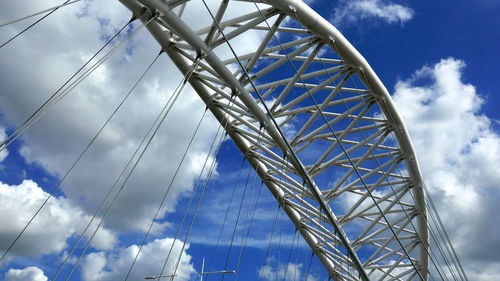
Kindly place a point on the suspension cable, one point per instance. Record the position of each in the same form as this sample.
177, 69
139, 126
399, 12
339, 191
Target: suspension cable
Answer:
429, 252
290, 254
40, 12
268, 250
229, 205
253, 210
226, 123
237, 220
226, 215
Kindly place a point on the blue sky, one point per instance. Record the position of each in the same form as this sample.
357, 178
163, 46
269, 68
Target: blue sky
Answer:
439, 60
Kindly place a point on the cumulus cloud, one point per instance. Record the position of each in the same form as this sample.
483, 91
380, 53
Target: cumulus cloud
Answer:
57, 222
31, 273
287, 272
459, 155
56, 140
100, 266
348, 12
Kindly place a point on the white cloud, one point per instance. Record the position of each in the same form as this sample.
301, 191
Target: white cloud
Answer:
48, 233
352, 11
56, 140
26, 274
287, 272
100, 266
459, 154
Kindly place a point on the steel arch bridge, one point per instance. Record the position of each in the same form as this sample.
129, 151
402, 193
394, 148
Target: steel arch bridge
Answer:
348, 142
310, 116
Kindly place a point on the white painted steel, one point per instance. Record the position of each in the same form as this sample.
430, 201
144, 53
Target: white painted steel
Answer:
337, 214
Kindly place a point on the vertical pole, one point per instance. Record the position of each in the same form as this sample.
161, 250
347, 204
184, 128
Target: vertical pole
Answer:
202, 268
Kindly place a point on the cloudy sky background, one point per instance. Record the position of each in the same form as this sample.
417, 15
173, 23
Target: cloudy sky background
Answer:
443, 78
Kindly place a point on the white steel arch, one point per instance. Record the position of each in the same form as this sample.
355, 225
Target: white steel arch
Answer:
346, 174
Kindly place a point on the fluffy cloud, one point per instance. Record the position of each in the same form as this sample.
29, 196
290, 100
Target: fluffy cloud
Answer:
56, 140
351, 11
100, 266
459, 155
26, 274
48, 233
287, 272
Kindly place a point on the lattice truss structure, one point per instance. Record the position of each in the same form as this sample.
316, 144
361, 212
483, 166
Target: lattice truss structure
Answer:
317, 125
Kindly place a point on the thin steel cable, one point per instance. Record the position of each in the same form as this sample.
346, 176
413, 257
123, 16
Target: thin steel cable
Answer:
228, 209
73, 85
249, 221
165, 195
111, 189
237, 221
230, 204
240, 258
441, 226
308, 267
290, 254
63, 90
40, 12
296, 261
226, 123
280, 235
268, 250
51, 192
147, 139
433, 213
30, 26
